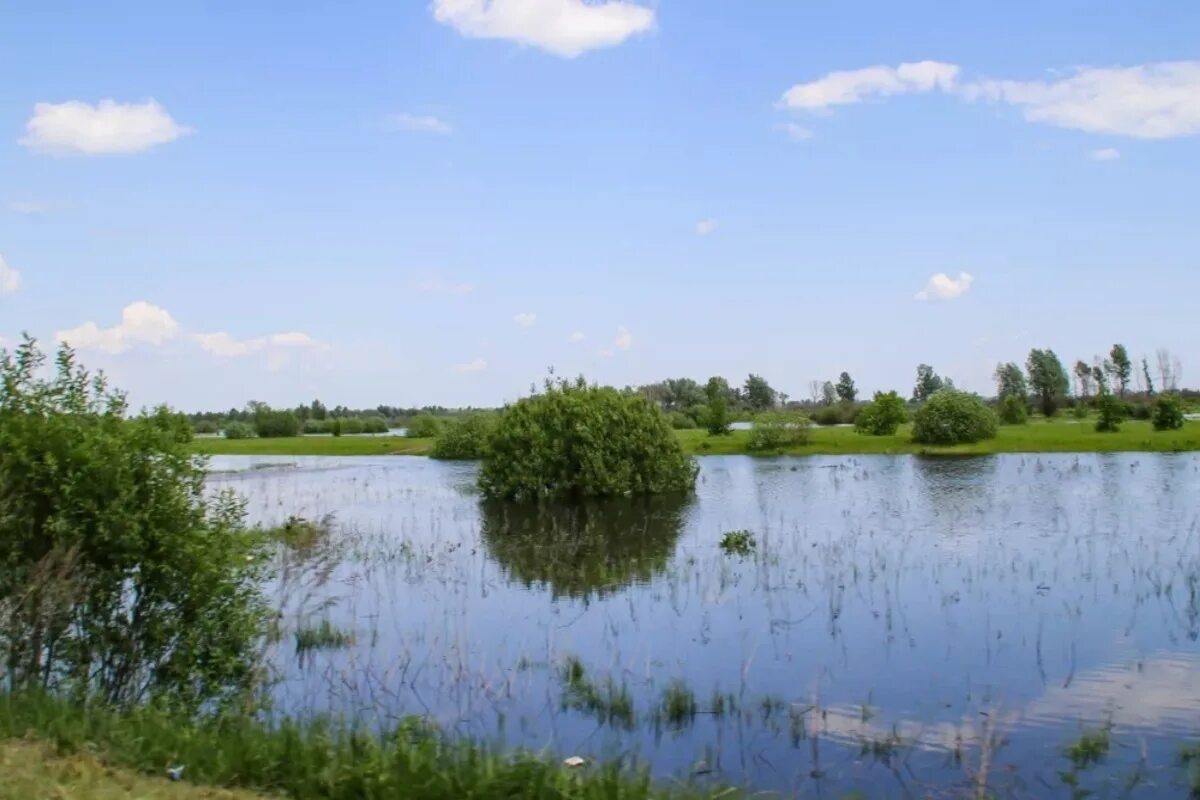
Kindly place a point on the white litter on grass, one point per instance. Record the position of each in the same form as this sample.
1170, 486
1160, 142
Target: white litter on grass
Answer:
574, 761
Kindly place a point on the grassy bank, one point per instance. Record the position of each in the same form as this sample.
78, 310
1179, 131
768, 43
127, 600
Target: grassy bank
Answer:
1039, 436
300, 760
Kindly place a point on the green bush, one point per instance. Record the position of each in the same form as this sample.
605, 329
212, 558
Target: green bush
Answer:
681, 421
1168, 412
953, 417
272, 424
835, 414
1111, 412
882, 416
465, 439
423, 426
206, 426
778, 430
239, 430
1014, 410
122, 579
1143, 411
717, 420
576, 440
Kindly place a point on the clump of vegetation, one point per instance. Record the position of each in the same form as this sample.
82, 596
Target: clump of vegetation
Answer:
1014, 410
423, 426
324, 636
1168, 412
1090, 748
682, 422
778, 430
609, 702
123, 580
952, 417
738, 543
271, 423
465, 439
882, 416
346, 425
678, 705
576, 440
299, 533
1110, 413
205, 426
239, 430
835, 414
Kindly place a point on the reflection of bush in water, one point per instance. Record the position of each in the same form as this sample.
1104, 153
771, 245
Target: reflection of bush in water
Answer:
584, 550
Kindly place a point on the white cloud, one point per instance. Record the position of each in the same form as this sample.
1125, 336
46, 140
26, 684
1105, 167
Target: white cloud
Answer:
77, 128
1106, 154
525, 320
942, 287
855, 86
624, 339
421, 124
706, 226
794, 131
578, 336
141, 323
224, 345
564, 27
474, 365
10, 279
30, 207
1149, 101
439, 286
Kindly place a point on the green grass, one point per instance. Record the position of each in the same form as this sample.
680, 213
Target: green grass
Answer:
1039, 436
324, 636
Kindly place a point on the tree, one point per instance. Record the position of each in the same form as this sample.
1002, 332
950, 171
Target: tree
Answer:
846, 390
1122, 368
122, 577
716, 422
317, 410
1010, 382
1146, 375
882, 416
682, 393
575, 440
1110, 411
1047, 379
718, 387
814, 392
1083, 375
1169, 371
828, 393
928, 383
951, 417
759, 394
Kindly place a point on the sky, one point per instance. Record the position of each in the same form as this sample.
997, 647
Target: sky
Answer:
438, 201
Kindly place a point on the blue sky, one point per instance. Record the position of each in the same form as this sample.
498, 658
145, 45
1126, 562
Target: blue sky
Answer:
432, 202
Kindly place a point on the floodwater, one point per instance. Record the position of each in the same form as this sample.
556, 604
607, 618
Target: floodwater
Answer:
905, 626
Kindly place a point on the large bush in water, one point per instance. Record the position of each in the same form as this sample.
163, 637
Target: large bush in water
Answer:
576, 440
118, 580
951, 417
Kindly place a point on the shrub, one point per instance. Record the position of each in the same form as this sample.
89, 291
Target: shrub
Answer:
206, 426
778, 430
239, 430
836, 414
271, 424
1014, 410
1144, 411
953, 417
681, 421
122, 579
717, 420
423, 426
882, 416
465, 439
576, 440
1080, 409
1168, 412
1111, 412
374, 425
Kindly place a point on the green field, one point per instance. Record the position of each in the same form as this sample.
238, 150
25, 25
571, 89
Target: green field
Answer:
1039, 436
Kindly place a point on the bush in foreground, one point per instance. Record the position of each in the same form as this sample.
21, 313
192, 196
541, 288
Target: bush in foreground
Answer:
882, 416
1168, 413
778, 430
465, 439
576, 440
952, 417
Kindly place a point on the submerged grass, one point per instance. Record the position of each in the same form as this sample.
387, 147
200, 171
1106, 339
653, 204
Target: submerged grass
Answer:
324, 636
315, 758
1039, 436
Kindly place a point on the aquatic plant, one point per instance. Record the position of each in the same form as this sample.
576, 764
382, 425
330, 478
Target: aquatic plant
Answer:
323, 636
738, 543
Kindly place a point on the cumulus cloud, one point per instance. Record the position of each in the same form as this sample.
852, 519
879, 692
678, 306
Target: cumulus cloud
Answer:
854, 86
474, 365
706, 226
1149, 101
525, 320
141, 323
794, 131
30, 207
942, 287
109, 127
624, 339
10, 279
1105, 154
564, 27
578, 336
421, 124
225, 345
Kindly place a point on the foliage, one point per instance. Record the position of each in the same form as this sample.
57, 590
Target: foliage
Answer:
346, 425
929, 383
275, 424
239, 430
778, 430
882, 416
1047, 379
1083, 376
759, 394
576, 440
119, 578
829, 393
1010, 382
206, 426
1146, 375
1014, 410
1110, 413
681, 421
1168, 412
1120, 367
423, 426
738, 543
717, 422
846, 390
465, 439
836, 414
952, 417
323, 636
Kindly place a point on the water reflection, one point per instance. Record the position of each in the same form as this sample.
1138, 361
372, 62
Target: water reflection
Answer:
585, 550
